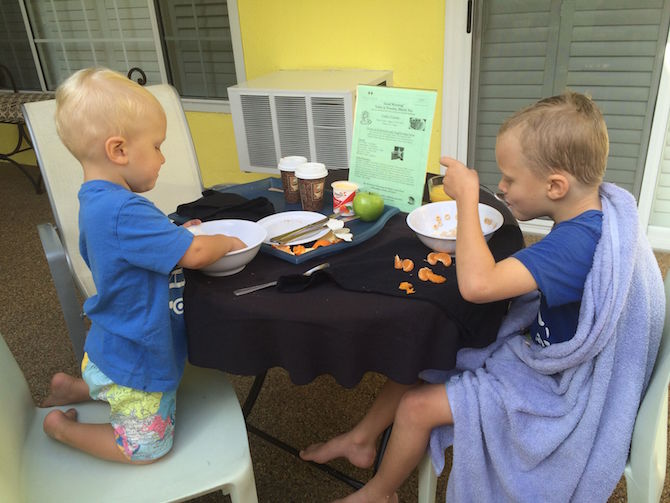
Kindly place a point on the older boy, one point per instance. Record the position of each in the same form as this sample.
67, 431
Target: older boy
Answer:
543, 414
133, 360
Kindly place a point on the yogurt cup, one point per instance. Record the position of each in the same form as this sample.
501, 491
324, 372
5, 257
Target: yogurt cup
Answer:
311, 180
287, 166
343, 197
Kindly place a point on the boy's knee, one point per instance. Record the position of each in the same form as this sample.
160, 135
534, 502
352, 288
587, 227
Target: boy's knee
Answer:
411, 407
147, 453
426, 405
148, 461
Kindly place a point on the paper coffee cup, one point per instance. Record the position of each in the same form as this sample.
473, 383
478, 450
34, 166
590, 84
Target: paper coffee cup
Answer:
311, 180
287, 166
343, 197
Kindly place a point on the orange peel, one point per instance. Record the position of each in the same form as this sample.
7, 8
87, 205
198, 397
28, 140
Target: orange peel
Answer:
300, 249
284, 248
407, 287
321, 242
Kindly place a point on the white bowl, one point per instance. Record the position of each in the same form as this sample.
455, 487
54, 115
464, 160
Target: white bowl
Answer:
250, 232
435, 224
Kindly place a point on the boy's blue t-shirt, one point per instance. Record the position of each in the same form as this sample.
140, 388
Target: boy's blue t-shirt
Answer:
560, 263
131, 248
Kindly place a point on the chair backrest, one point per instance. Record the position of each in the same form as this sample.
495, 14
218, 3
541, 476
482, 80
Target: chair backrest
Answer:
179, 180
649, 445
7, 79
18, 412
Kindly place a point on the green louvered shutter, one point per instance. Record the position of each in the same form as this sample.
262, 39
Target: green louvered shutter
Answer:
609, 49
660, 210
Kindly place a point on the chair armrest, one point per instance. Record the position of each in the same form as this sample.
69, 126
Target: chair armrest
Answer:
65, 286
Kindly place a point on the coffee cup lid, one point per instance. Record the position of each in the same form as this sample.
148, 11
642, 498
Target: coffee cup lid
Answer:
311, 171
291, 162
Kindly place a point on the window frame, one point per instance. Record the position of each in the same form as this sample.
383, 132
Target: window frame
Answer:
189, 104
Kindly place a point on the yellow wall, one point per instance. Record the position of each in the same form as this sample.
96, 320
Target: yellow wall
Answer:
399, 35
405, 37
8, 138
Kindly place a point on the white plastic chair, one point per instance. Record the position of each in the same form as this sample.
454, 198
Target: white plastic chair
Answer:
645, 469
179, 182
210, 449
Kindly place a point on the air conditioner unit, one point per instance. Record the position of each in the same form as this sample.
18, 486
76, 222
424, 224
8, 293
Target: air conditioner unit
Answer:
297, 112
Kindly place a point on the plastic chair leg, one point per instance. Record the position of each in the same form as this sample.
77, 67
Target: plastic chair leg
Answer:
427, 480
244, 489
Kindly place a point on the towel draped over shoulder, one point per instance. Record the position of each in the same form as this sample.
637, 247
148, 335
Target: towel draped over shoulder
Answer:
555, 423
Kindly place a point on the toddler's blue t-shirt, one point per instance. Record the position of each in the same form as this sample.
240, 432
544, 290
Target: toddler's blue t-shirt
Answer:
560, 263
131, 248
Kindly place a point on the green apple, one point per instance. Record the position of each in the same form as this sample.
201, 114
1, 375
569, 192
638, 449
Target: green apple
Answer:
368, 206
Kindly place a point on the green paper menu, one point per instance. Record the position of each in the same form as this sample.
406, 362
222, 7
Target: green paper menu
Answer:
391, 139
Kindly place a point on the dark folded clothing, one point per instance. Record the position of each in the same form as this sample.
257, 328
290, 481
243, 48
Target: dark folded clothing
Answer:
216, 205
373, 271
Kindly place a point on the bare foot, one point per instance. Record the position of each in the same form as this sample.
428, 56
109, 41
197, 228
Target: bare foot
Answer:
56, 420
65, 390
362, 496
343, 446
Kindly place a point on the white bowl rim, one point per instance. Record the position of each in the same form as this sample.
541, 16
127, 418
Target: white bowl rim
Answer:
451, 203
236, 221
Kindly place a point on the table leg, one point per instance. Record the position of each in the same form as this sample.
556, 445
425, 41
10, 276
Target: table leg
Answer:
383, 442
253, 394
248, 405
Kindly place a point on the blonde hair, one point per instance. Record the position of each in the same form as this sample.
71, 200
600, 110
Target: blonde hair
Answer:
94, 104
565, 132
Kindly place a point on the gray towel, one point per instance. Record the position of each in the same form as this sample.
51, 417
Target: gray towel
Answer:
555, 424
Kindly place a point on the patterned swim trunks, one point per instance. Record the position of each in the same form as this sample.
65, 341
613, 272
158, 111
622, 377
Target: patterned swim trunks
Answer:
143, 421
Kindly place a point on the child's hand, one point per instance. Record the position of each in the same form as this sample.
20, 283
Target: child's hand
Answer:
206, 249
195, 221
236, 244
459, 180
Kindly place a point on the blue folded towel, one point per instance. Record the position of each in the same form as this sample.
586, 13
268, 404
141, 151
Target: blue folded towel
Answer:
554, 424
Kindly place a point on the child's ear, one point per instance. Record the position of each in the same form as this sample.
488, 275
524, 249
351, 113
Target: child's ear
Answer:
115, 150
557, 186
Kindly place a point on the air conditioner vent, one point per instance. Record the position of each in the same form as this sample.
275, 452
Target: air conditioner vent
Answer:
292, 124
331, 147
258, 117
328, 112
297, 112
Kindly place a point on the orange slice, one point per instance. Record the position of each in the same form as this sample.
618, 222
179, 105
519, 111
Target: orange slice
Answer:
436, 278
435, 257
426, 274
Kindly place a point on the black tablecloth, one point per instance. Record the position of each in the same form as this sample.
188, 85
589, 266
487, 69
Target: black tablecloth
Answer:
341, 325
